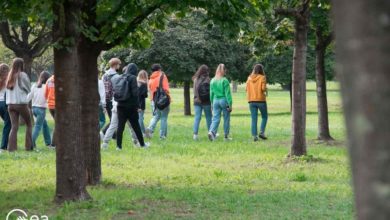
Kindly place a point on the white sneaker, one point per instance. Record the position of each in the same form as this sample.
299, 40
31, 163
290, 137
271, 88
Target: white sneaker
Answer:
228, 139
195, 137
104, 146
118, 149
211, 136
101, 135
147, 145
216, 135
163, 138
136, 142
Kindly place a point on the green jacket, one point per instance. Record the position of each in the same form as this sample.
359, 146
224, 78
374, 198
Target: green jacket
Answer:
220, 88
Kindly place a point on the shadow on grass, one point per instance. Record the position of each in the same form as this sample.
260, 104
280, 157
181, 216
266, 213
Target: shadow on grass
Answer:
116, 201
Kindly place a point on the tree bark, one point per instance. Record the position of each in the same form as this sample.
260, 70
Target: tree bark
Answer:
363, 56
235, 86
187, 98
87, 56
298, 142
70, 166
28, 61
322, 101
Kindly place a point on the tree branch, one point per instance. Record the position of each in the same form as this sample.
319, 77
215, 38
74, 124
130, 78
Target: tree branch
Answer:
287, 12
7, 37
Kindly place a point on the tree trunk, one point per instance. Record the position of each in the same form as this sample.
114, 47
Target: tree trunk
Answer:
363, 56
187, 98
28, 61
70, 167
298, 142
235, 86
322, 101
89, 95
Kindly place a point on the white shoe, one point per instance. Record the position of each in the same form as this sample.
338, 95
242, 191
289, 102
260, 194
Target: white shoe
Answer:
104, 146
118, 149
211, 136
228, 139
136, 142
195, 137
147, 145
163, 138
216, 135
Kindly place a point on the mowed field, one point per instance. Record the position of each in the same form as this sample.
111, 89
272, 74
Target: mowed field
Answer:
184, 179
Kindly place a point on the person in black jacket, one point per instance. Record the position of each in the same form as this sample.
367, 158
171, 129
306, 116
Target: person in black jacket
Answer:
128, 110
142, 94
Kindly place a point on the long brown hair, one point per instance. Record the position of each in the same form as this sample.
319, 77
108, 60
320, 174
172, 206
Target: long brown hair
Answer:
202, 71
17, 67
43, 77
258, 69
4, 69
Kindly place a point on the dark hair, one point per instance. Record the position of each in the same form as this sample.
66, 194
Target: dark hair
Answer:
4, 69
156, 67
17, 67
202, 71
258, 69
43, 77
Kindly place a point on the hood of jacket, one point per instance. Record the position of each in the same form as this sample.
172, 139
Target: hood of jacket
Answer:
155, 75
132, 69
255, 77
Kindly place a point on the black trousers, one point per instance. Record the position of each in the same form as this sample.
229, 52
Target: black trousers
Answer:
109, 113
128, 114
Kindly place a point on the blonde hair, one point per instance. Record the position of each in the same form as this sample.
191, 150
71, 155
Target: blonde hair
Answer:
17, 67
220, 72
142, 76
114, 61
4, 69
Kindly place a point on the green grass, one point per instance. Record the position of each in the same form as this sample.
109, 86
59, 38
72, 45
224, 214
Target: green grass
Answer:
180, 178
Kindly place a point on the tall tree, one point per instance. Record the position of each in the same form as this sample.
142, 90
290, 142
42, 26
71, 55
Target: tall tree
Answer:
363, 54
301, 17
324, 36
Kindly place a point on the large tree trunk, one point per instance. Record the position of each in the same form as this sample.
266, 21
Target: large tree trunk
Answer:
363, 55
87, 56
298, 142
187, 98
322, 101
28, 61
70, 167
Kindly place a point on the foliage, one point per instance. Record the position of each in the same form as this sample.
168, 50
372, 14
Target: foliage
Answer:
183, 179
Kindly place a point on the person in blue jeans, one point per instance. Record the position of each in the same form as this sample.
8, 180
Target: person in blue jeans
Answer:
221, 99
4, 69
256, 90
37, 96
202, 101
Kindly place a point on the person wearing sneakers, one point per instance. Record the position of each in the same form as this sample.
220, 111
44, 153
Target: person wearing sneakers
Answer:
39, 105
158, 84
125, 89
256, 89
51, 104
201, 98
221, 99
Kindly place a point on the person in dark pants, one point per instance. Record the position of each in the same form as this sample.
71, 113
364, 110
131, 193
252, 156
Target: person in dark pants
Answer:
128, 109
4, 69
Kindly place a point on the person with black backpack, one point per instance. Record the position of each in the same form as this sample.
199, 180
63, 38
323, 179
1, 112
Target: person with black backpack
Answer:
159, 89
125, 88
115, 64
201, 98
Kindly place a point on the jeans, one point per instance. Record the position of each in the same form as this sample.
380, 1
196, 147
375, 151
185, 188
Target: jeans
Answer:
157, 115
7, 125
141, 120
198, 116
131, 115
254, 108
113, 127
102, 117
109, 113
16, 110
40, 123
220, 106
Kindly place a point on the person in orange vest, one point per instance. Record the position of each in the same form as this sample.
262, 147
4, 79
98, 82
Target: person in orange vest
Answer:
51, 103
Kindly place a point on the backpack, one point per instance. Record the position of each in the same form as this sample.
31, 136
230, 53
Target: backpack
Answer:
108, 86
204, 92
160, 97
121, 88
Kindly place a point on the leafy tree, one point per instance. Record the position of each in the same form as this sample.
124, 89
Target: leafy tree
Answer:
186, 44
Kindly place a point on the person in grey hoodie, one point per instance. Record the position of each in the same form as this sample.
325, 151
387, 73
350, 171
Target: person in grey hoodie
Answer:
18, 87
128, 109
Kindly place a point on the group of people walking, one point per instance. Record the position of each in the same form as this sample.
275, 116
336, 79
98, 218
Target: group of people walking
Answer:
123, 98
16, 93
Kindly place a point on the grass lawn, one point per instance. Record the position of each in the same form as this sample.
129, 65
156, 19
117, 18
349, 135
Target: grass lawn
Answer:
180, 178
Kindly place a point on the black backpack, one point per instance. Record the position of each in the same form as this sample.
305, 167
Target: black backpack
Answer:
160, 97
204, 92
121, 87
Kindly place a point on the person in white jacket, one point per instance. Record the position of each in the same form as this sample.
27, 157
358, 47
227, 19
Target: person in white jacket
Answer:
18, 87
102, 104
39, 105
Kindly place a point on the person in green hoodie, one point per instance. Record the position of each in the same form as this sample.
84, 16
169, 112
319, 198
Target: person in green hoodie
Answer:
221, 99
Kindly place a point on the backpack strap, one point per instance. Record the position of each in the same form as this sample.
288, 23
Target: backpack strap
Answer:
160, 85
